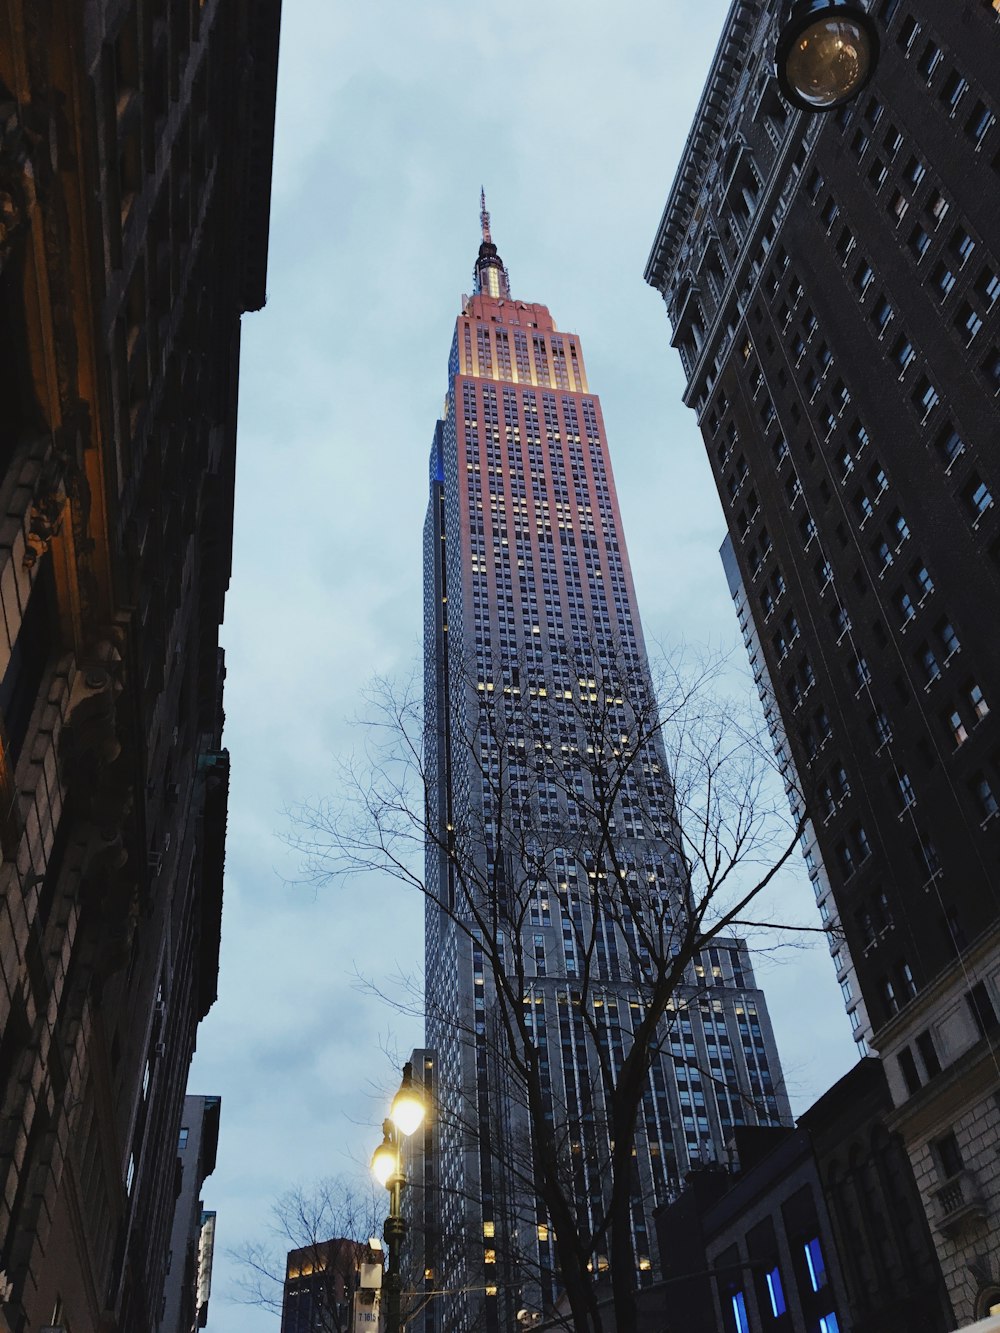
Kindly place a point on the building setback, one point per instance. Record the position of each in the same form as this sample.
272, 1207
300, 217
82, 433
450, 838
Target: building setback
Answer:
832, 285
135, 158
530, 619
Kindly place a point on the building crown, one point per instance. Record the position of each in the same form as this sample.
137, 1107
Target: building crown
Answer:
490, 277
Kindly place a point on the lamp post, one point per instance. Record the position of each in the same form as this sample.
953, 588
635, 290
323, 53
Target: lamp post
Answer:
826, 52
405, 1117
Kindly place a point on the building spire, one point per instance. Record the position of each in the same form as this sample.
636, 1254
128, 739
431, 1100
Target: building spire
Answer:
489, 276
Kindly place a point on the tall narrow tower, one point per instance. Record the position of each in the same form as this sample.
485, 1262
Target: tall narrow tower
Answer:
532, 640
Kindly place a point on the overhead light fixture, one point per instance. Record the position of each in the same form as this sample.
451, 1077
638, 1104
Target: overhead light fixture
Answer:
826, 53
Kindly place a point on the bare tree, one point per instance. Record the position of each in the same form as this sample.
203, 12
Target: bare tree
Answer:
645, 822
317, 1238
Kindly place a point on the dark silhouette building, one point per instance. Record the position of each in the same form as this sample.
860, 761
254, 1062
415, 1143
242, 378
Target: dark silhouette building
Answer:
135, 161
832, 283
320, 1283
530, 615
816, 1228
192, 1237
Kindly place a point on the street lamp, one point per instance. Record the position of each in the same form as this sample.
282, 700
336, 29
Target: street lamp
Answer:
826, 53
405, 1117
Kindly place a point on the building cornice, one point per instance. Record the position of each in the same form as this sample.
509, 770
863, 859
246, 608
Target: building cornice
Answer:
709, 120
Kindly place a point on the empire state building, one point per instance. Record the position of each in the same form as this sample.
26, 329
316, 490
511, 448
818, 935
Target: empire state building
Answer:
550, 856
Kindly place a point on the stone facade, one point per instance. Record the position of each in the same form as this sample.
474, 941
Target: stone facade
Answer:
135, 149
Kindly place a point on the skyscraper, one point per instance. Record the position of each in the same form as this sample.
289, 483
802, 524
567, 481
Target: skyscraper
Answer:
833, 287
534, 662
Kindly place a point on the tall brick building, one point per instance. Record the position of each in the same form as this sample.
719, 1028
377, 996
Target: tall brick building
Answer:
833, 284
135, 156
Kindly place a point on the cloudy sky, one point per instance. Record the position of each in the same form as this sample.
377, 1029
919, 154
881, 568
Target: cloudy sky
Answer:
390, 117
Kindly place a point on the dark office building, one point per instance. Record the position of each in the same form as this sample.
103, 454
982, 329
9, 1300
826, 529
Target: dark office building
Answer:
192, 1237
135, 159
320, 1280
832, 283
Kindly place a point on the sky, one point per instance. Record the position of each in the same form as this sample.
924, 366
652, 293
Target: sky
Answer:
390, 117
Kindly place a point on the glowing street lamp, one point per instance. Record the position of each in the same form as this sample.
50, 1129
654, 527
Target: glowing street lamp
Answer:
826, 53
405, 1118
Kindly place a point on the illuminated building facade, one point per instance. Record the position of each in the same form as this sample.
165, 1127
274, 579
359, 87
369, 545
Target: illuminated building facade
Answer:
135, 161
529, 611
833, 283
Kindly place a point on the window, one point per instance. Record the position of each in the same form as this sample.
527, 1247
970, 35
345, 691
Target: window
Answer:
905, 607
982, 1009
925, 397
937, 206
980, 122
962, 246
929, 60
982, 792
948, 1155
903, 352
907, 796
925, 1047
908, 1068
923, 579
740, 1322
953, 90
979, 705
957, 729
968, 322
949, 445
815, 1264
882, 315
977, 496
775, 1292
907, 33
929, 663
943, 279
846, 858
949, 639
919, 241
864, 276
182, 1141
828, 1324
988, 286
991, 368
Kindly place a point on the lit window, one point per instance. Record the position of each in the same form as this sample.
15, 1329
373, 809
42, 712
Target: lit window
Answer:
977, 495
740, 1322
814, 1263
775, 1292
979, 705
